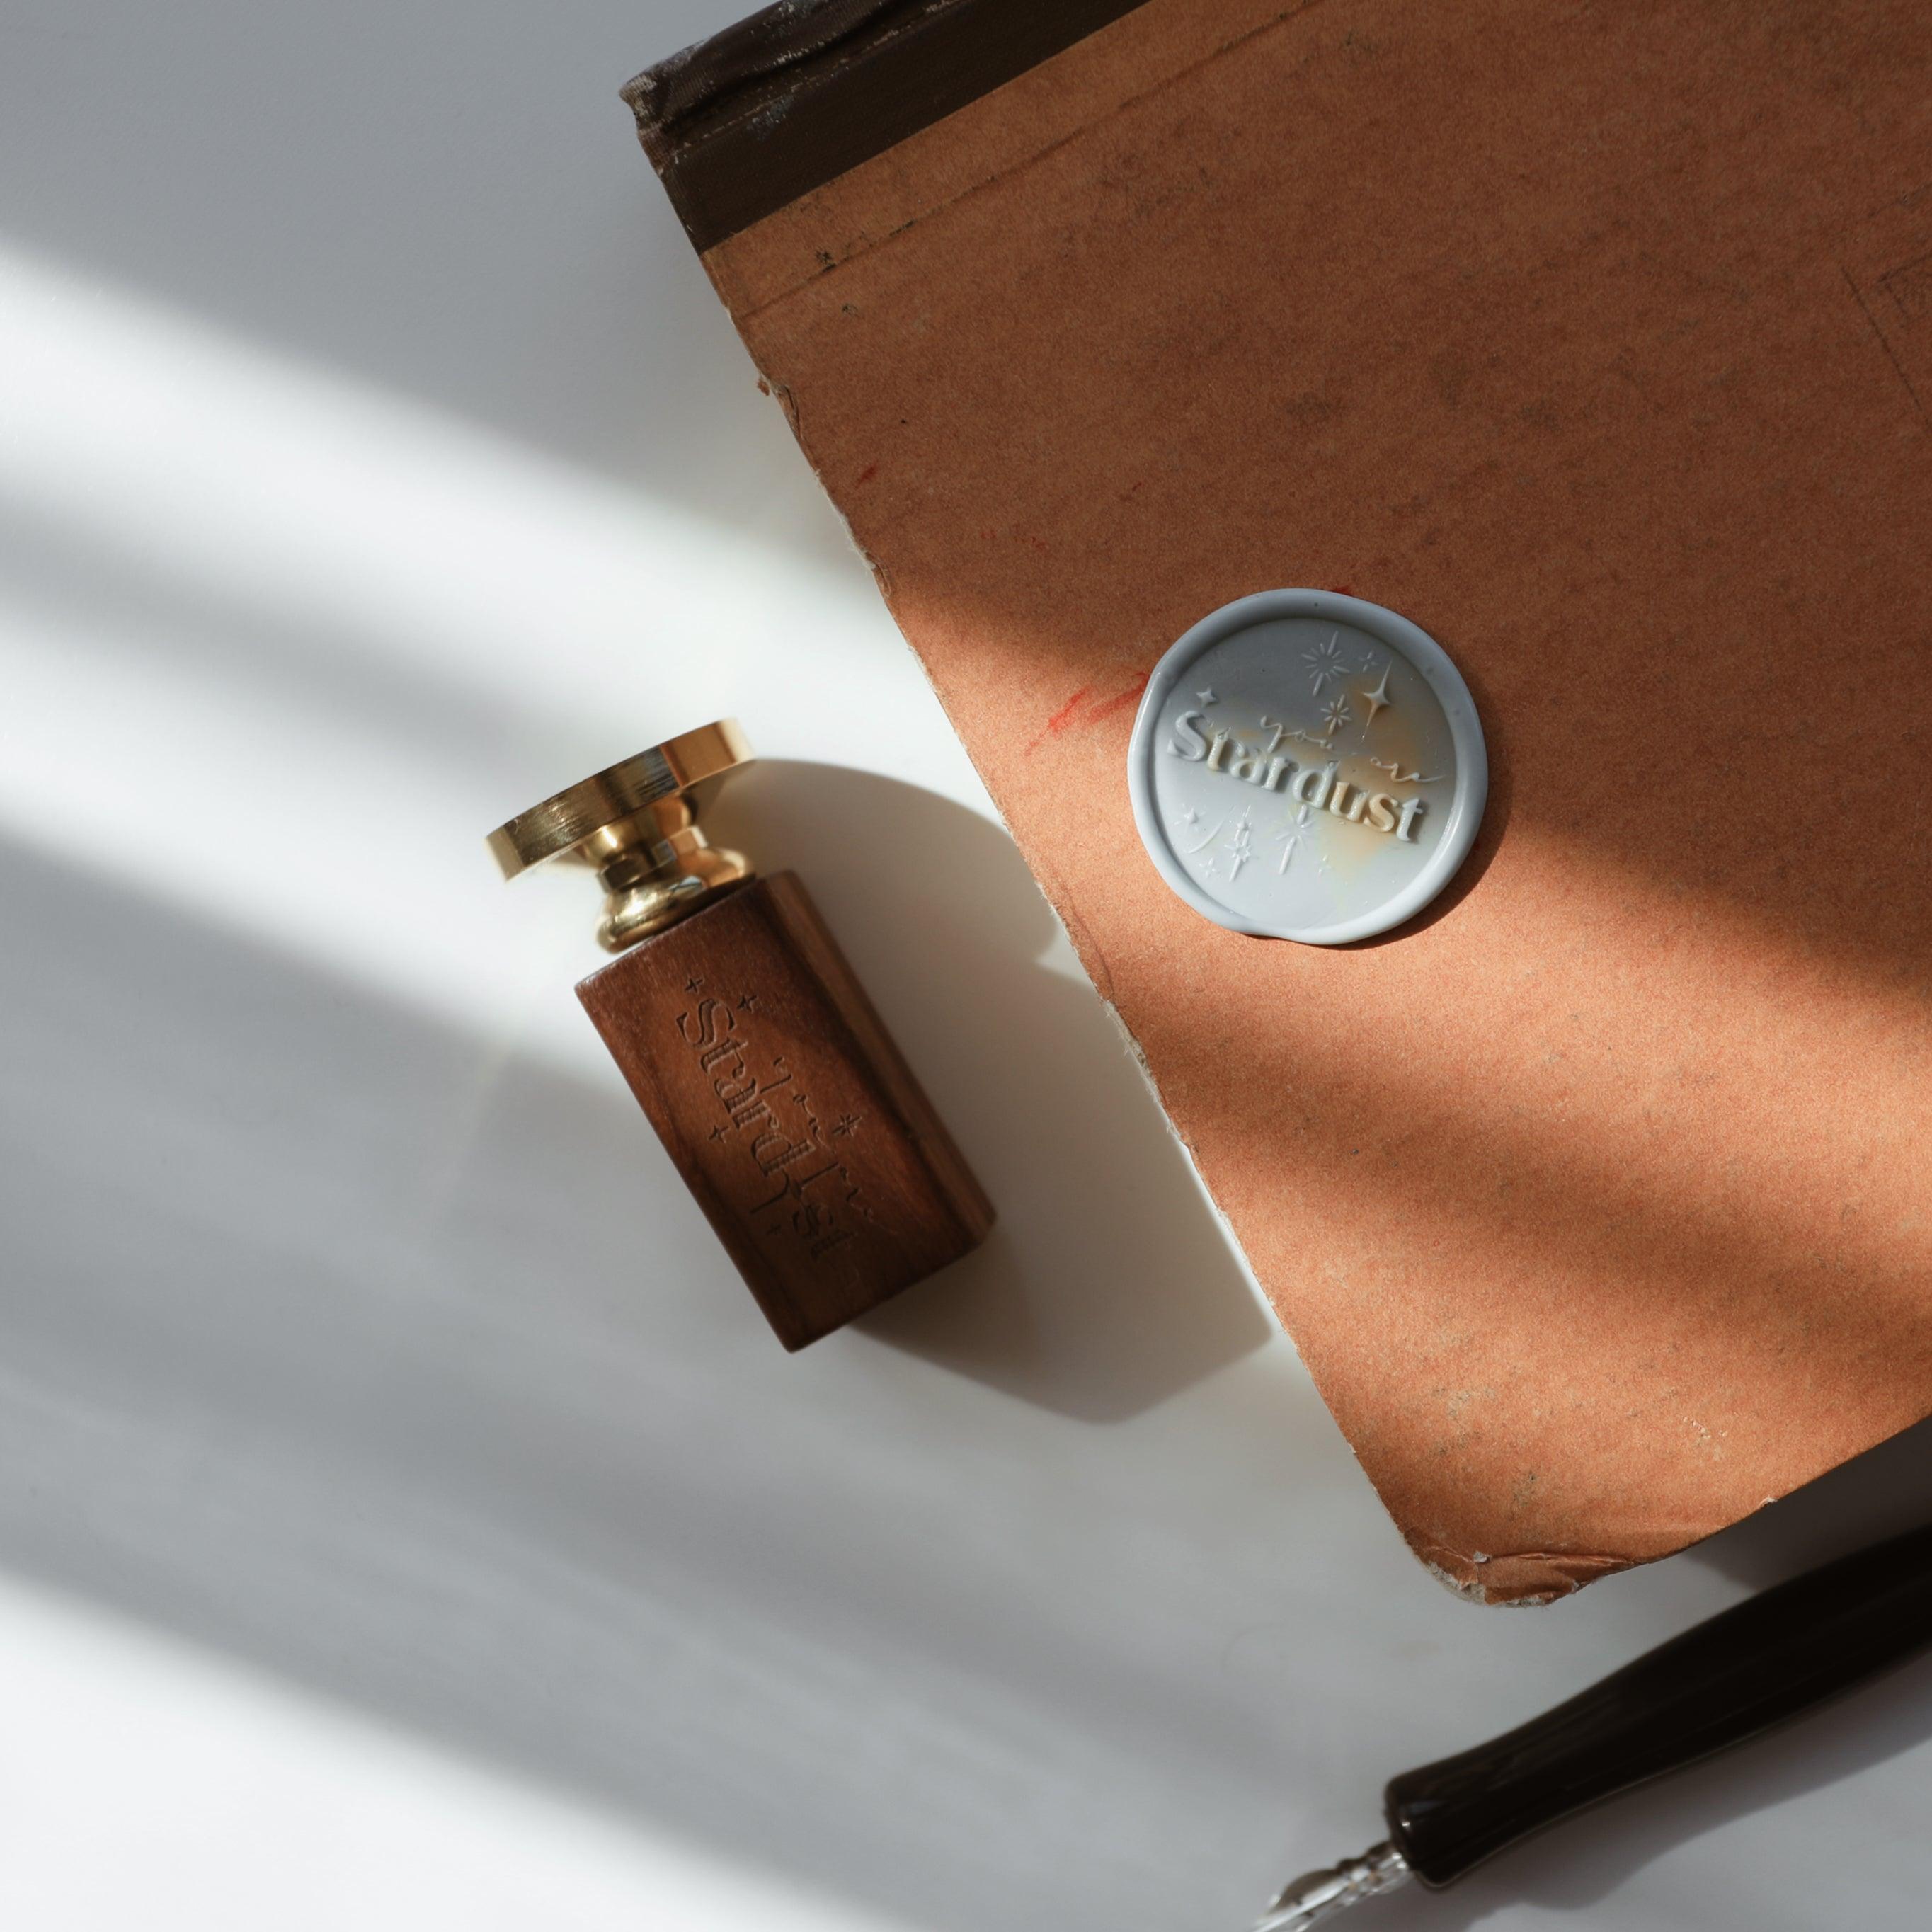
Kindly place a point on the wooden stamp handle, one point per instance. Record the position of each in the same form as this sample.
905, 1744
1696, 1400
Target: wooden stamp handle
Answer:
789, 1111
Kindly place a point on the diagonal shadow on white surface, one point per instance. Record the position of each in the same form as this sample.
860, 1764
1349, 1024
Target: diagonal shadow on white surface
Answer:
337, 1335
445, 201
338, 1340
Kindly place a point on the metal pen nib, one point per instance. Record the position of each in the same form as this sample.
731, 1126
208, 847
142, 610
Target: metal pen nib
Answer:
1762, 1661
1318, 1895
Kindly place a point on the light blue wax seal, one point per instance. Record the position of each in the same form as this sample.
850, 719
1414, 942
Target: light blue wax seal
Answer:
1307, 766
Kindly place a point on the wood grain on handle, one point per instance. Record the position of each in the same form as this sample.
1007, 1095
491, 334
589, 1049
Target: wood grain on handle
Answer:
788, 1108
1770, 1659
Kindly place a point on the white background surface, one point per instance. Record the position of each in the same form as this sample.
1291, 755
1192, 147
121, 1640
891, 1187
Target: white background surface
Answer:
406, 1520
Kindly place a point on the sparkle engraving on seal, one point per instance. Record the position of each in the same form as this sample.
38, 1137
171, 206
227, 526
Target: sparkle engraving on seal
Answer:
1377, 700
1324, 663
1292, 835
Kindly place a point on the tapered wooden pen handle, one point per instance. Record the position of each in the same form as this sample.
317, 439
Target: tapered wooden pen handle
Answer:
1771, 1658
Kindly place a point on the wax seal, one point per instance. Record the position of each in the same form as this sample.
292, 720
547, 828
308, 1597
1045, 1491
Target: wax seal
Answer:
1307, 766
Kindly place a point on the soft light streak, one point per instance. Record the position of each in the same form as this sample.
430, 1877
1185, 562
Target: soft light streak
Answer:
361, 633
235, 1801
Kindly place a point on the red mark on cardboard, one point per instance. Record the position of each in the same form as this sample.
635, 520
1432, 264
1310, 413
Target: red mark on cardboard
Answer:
1064, 716
1121, 700
1070, 714
866, 475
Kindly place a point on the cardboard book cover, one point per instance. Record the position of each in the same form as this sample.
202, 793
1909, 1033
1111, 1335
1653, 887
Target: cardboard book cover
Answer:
1597, 340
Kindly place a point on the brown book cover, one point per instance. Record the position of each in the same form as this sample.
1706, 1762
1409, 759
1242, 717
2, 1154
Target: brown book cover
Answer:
1598, 341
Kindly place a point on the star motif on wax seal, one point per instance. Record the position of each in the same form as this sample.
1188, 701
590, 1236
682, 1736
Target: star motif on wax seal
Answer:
1378, 700
1207, 695
1324, 663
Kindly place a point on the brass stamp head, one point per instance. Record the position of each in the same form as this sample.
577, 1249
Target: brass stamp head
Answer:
636, 823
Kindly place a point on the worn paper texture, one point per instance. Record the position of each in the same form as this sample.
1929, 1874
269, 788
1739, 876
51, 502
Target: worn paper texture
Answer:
1598, 340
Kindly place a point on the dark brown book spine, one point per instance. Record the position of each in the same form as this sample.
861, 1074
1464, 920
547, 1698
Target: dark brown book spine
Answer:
788, 1108
741, 124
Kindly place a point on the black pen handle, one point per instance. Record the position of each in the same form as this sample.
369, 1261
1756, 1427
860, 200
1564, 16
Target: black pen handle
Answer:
1771, 1658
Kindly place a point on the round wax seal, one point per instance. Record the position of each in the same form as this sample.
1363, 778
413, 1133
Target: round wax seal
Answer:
1307, 766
